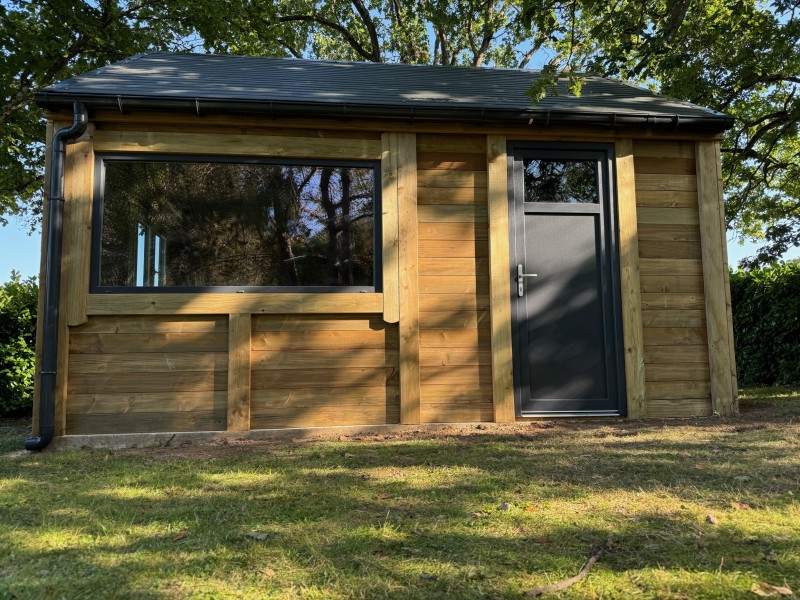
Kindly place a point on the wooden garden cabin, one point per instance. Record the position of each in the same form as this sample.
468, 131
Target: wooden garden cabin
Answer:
257, 243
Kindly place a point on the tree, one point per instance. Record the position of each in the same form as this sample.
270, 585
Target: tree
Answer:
739, 56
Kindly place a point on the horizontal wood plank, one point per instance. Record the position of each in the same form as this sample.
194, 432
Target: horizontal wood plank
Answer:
138, 402
672, 301
467, 376
443, 357
472, 339
456, 394
667, 266
324, 339
268, 418
671, 284
474, 144
660, 249
455, 302
664, 165
236, 144
441, 284
144, 422
463, 231
674, 336
677, 389
669, 233
668, 216
678, 372
675, 354
126, 343
323, 378
320, 323
132, 383
448, 413
332, 397
454, 319
446, 195
452, 179
148, 362
666, 199
455, 267
451, 161
663, 149
674, 318
213, 303
453, 249
648, 181
443, 213
153, 324
331, 359
683, 407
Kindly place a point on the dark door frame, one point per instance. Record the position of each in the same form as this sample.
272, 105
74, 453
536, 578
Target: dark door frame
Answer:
611, 289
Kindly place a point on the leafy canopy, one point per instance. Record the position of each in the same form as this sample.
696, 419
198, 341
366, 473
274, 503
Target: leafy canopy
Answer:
737, 56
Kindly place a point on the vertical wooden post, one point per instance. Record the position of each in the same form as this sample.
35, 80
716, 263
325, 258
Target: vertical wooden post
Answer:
391, 296
500, 288
633, 338
239, 331
408, 277
76, 248
715, 275
42, 274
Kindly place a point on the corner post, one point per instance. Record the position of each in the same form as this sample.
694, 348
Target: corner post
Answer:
716, 282
239, 333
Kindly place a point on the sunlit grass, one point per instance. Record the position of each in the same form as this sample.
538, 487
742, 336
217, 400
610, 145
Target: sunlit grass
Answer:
485, 514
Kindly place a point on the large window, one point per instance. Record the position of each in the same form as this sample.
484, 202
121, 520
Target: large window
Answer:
163, 224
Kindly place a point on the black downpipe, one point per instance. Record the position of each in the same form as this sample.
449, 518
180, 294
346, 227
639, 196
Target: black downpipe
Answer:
52, 293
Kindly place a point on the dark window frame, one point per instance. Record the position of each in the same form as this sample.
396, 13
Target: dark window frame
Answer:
97, 224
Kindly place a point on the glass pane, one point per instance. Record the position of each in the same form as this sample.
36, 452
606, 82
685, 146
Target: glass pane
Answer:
560, 180
192, 224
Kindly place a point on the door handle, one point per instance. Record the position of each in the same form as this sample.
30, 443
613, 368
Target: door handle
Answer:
521, 279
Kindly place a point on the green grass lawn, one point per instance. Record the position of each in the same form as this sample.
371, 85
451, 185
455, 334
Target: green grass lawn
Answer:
405, 517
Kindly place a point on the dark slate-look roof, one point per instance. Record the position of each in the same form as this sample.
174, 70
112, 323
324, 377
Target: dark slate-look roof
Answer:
210, 82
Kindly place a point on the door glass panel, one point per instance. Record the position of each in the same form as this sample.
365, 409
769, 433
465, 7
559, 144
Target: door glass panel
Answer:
572, 181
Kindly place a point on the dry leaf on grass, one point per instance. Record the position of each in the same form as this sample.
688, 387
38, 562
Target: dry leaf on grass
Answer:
711, 519
762, 588
740, 506
179, 536
258, 535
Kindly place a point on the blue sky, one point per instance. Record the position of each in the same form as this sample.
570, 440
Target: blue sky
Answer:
20, 252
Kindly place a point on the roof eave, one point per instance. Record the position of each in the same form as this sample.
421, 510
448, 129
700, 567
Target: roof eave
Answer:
713, 123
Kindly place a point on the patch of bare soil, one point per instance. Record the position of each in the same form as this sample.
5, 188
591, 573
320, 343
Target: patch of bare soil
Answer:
750, 420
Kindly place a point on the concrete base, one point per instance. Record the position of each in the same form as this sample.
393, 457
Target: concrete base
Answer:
117, 441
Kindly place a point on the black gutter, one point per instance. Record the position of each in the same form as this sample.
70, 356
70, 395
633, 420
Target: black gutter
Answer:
203, 106
52, 292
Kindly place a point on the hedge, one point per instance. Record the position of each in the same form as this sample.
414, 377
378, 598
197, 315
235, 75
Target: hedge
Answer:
18, 304
766, 324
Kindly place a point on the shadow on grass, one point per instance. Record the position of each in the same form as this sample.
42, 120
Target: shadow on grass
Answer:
416, 519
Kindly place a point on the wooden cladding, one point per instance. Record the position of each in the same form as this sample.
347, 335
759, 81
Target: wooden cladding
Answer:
673, 294
435, 344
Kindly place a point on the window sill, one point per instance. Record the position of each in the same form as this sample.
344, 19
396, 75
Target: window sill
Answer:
210, 304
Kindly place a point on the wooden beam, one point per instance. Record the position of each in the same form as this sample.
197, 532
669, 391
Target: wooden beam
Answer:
239, 329
500, 288
629, 279
235, 144
78, 196
728, 305
409, 277
214, 304
391, 297
715, 274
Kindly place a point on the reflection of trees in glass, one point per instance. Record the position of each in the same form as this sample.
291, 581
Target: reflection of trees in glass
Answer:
240, 224
560, 181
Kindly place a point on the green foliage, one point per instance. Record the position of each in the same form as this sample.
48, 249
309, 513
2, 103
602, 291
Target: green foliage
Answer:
18, 305
766, 324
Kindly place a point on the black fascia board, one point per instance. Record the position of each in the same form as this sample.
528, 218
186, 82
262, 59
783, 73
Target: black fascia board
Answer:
714, 123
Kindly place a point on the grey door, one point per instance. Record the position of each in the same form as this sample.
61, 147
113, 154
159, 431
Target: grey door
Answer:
564, 275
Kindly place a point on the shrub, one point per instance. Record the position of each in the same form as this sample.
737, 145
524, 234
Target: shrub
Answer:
18, 304
766, 324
